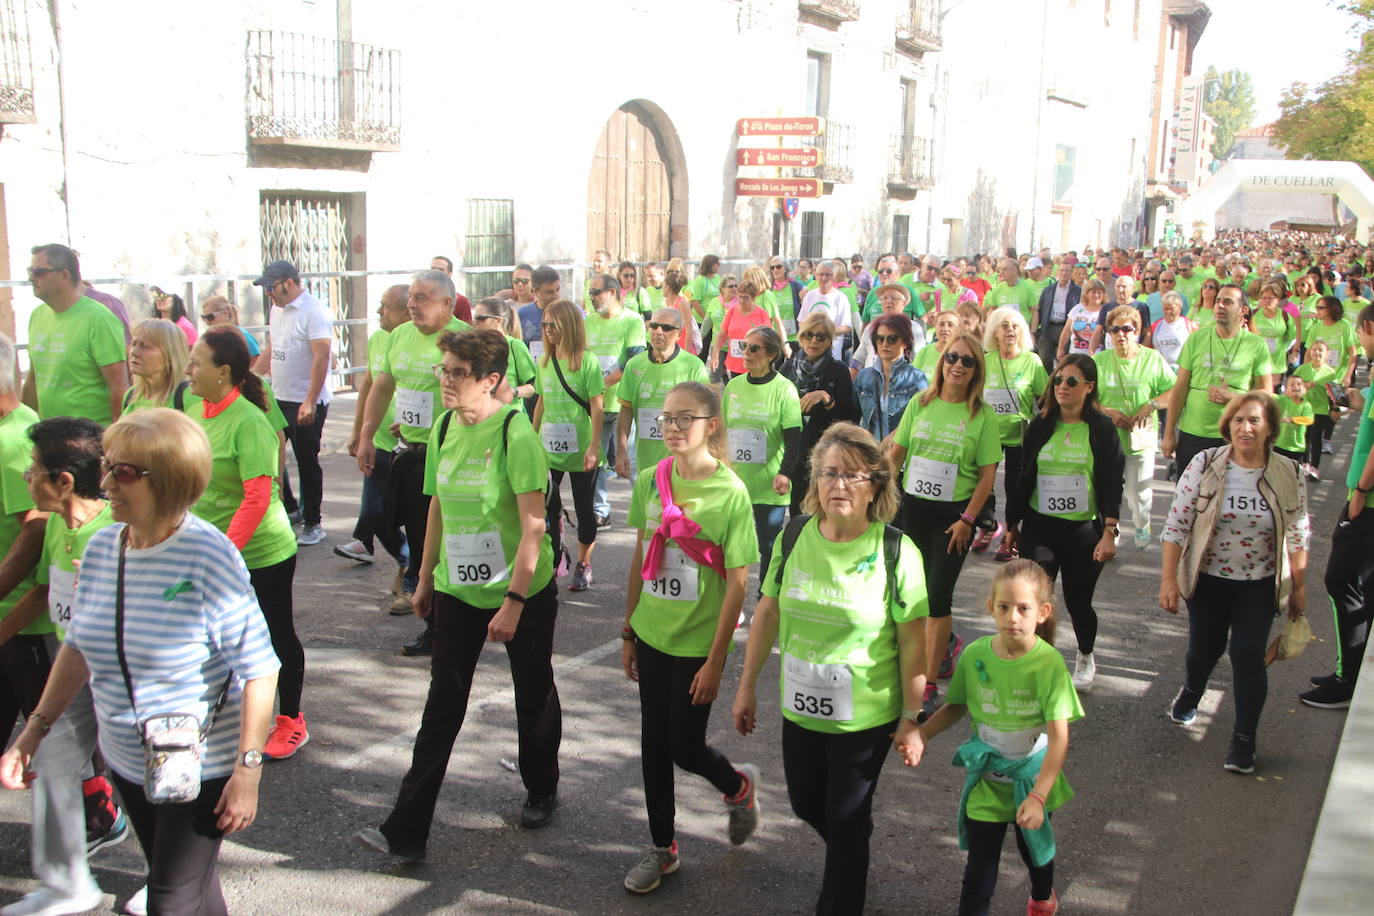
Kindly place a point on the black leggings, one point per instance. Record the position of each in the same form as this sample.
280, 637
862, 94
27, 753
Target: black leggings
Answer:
673, 731
181, 846
1062, 546
980, 873
24, 665
830, 782
1321, 428
925, 521
273, 587
583, 493
1242, 610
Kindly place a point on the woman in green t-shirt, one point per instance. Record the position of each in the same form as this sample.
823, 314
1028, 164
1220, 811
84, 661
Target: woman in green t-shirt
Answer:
694, 546
242, 501
1339, 334
1316, 372
1277, 329
1067, 498
569, 417
158, 355
947, 445
486, 576
845, 606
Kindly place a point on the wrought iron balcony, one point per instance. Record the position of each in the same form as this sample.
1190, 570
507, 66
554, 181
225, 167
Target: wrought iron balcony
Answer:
16, 64
918, 29
322, 93
833, 11
836, 160
910, 165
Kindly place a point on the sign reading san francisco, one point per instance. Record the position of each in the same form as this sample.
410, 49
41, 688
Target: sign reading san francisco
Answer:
780, 127
777, 187
806, 157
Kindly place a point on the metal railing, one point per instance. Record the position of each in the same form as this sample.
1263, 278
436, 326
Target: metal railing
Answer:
836, 154
835, 10
310, 91
911, 163
918, 27
16, 64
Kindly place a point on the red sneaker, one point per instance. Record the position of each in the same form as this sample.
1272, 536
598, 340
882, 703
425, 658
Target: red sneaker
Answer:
288, 735
1042, 907
1005, 552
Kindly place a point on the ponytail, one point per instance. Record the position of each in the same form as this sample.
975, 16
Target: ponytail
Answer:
228, 348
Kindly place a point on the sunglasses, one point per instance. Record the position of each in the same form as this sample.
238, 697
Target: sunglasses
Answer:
549, 324
968, 362
1121, 329
753, 348
776, 267
486, 317
208, 317
885, 270
522, 280
595, 292
813, 335
665, 328
1151, 277
1169, 280
886, 339
1072, 381
123, 473
40, 271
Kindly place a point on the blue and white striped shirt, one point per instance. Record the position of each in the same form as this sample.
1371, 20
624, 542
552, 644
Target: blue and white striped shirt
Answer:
190, 616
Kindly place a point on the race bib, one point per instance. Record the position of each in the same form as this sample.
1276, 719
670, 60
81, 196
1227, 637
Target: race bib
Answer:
608, 364
648, 424
1062, 495
1013, 744
1243, 497
789, 325
931, 479
1273, 343
736, 348
559, 438
536, 348
414, 408
1003, 401
747, 446
1333, 359
476, 559
817, 690
678, 577
61, 596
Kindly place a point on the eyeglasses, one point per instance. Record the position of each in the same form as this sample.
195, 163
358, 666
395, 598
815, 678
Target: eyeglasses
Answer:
1168, 280
31, 472
1151, 277
1121, 329
40, 271
123, 473
1071, 381
834, 478
1322, 308
680, 422
886, 338
955, 358
1103, 267
665, 328
453, 376
753, 348
519, 281
814, 335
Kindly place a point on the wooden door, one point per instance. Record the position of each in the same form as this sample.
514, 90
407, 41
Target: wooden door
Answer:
628, 196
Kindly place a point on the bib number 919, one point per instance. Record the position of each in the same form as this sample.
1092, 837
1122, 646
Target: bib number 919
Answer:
666, 587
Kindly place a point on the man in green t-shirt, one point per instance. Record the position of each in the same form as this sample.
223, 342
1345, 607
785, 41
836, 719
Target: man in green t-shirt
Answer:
646, 381
1188, 281
76, 345
405, 382
615, 335
1012, 289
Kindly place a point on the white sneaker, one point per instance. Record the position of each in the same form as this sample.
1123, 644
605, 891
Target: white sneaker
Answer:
47, 902
354, 550
138, 903
1084, 670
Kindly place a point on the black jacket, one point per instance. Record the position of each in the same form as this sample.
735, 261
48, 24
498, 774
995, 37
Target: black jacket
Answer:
1047, 302
1109, 465
836, 382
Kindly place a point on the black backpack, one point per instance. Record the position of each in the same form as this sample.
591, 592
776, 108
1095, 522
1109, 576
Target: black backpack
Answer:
892, 550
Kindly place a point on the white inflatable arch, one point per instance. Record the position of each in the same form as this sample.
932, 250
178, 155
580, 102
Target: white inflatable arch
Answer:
1346, 180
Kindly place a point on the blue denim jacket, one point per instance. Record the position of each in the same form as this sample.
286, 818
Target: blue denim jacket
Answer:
878, 414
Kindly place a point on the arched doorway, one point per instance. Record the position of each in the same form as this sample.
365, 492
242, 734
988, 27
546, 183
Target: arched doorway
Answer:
1346, 180
637, 188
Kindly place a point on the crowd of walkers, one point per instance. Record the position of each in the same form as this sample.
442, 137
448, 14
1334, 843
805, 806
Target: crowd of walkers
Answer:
836, 430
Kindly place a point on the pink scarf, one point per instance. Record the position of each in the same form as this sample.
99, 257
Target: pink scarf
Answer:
680, 528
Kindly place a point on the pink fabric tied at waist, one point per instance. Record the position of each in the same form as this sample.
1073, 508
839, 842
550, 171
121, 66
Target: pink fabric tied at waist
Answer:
680, 528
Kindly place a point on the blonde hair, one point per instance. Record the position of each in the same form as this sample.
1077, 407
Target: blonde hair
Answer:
1092, 285
171, 343
974, 399
1123, 313
817, 322
572, 334
1044, 591
861, 450
757, 276
1006, 313
171, 447
217, 304
708, 400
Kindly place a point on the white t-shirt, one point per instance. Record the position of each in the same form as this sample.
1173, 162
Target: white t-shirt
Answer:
835, 304
292, 328
1168, 338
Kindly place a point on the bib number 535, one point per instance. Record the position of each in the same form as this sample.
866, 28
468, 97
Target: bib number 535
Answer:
810, 705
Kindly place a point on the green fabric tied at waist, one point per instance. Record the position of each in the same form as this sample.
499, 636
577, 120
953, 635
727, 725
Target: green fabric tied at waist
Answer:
981, 758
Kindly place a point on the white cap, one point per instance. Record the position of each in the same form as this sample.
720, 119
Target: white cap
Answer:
1033, 263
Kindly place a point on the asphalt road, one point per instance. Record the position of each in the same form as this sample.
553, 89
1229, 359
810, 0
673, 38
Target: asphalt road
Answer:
1157, 825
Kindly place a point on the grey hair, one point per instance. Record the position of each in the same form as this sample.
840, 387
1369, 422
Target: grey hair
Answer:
1172, 296
9, 385
1006, 313
442, 282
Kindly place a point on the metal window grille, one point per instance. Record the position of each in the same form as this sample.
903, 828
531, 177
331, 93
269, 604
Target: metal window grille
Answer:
901, 232
490, 242
812, 234
16, 64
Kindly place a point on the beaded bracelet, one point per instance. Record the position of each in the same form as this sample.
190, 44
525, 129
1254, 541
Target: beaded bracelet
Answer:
967, 519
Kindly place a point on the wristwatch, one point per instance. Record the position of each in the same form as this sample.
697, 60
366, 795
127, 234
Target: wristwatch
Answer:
913, 714
1114, 529
251, 760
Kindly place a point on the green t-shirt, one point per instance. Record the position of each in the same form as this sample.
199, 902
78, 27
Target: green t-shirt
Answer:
1189, 287
609, 342
275, 418
643, 389
1339, 337
785, 306
946, 448
927, 359
410, 361
243, 445
1316, 378
1126, 384
377, 345
918, 307
1009, 702
755, 416
837, 629
645, 300
702, 288
520, 368
476, 477
678, 611
67, 351
62, 547
566, 429
1012, 388
1212, 360
16, 454
914, 309
1278, 334
1064, 478
1023, 295
1292, 436
1307, 309
1364, 440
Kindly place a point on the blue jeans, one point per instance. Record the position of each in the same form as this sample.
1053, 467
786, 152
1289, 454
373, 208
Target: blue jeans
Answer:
768, 522
601, 500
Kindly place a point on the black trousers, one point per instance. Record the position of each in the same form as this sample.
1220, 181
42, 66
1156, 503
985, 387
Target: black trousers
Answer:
24, 665
830, 782
1321, 428
305, 444
925, 521
460, 632
673, 731
1350, 583
583, 493
985, 840
1244, 611
181, 845
272, 584
407, 505
373, 521
1065, 547
1011, 470
1189, 445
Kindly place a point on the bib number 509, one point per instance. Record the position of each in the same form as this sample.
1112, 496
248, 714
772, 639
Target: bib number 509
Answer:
810, 705
473, 572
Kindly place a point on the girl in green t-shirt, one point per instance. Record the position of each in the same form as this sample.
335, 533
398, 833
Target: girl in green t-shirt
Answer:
1317, 373
1016, 690
569, 417
1295, 417
687, 579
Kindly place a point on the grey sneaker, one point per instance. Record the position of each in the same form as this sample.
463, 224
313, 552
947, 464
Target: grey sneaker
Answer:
657, 862
310, 534
744, 813
581, 577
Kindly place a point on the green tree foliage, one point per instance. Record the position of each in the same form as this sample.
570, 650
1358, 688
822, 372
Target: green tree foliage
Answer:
1229, 100
1332, 122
